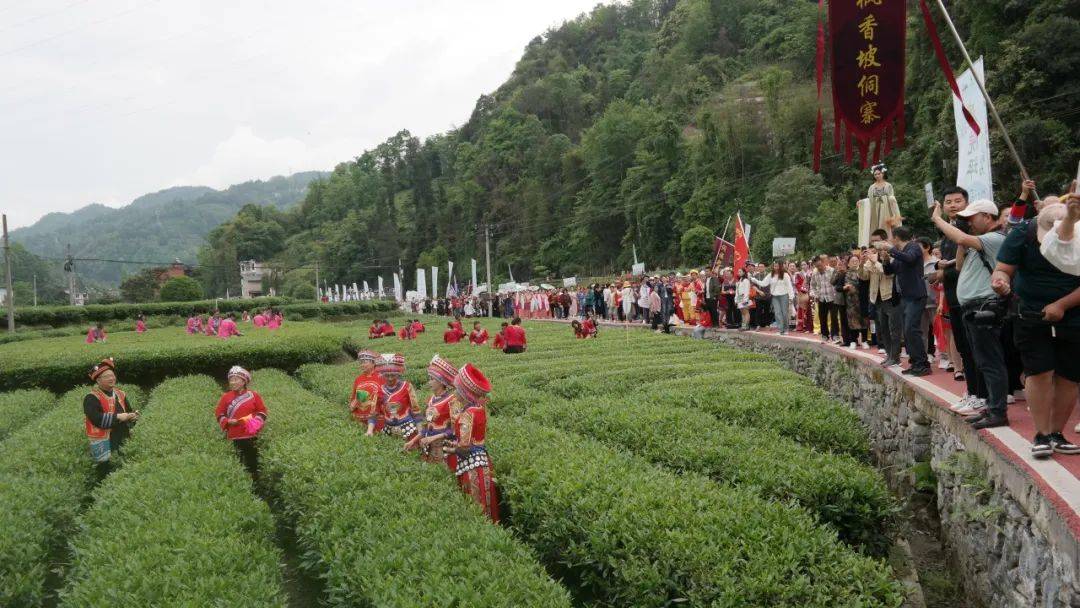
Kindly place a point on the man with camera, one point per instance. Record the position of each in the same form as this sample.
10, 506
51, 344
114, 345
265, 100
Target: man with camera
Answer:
890, 316
907, 265
981, 311
1047, 330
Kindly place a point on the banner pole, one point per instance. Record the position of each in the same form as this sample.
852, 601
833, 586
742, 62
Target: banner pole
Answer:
982, 89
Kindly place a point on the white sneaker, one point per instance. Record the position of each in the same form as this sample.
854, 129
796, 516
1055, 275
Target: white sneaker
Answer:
943, 363
881, 351
973, 408
965, 402
1009, 399
851, 346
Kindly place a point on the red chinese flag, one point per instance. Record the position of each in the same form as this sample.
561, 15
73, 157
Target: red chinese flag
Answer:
742, 248
867, 44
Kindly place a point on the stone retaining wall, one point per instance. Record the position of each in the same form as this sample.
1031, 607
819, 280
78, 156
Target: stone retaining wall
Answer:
1009, 543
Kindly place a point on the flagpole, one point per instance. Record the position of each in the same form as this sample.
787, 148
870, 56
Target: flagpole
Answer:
723, 235
982, 89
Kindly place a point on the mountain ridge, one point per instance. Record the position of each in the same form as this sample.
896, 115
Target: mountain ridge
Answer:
154, 227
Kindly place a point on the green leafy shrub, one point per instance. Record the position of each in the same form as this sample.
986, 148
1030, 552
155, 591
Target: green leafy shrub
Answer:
45, 476
20, 407
59, 363
631, 534
178, 523
181, 289
381, 528
60, 316
794, 409
839, 491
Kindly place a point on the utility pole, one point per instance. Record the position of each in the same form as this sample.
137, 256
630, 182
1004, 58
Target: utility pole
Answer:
35, 291
317, 299
69, 270
487, 267
10, 293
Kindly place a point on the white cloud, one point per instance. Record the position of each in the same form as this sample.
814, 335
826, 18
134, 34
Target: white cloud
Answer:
245, 155
107, 100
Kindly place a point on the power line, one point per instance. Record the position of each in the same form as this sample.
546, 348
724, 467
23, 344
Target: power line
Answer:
43, 16
75, 29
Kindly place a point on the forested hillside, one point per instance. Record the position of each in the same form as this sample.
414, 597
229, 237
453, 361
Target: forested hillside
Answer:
156, 227
647, 124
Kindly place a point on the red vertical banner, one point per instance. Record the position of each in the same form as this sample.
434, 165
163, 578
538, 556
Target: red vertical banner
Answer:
867, 44
723, 254
742, 247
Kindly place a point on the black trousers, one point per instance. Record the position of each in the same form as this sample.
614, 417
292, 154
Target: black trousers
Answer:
248, 450
655, 321
714, 311
829, 318
512, 350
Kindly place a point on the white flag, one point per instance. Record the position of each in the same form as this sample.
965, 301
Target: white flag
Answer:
366, 287
474, 283
421, 283
434, 282
449, 276
973, 164
397, 287
380, 287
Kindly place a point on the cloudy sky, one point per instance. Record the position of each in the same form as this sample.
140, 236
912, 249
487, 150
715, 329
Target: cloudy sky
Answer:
105, 100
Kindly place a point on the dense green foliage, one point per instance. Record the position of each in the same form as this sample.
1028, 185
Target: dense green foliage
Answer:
155, 228
619, 531
26, 268
381, 528
180, 508
45, 476
648, 123
20, 407
60, 363
60, 316
181, 289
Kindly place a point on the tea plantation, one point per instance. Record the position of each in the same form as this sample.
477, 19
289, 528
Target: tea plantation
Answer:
634, 470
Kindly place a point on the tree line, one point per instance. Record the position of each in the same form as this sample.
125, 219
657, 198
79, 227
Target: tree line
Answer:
644, 126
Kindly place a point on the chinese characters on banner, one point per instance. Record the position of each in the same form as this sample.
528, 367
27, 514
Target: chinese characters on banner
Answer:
867, 60
723, 253
973, 168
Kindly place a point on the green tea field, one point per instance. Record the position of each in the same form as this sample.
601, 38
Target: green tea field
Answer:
634, 470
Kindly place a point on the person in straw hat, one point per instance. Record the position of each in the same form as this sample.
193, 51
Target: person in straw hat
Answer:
108, 416
241, 413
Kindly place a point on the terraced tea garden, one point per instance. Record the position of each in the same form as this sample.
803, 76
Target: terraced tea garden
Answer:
634, 470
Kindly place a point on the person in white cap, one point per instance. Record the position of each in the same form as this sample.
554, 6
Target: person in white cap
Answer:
973, 291
241, 413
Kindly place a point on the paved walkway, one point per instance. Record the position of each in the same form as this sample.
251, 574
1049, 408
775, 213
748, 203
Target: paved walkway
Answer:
1058, 476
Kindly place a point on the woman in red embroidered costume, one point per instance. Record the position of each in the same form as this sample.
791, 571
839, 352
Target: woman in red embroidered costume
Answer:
241, 414
436, 427
500, 338
474, 470
478, 336
364, 398
109, 416
397, 399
